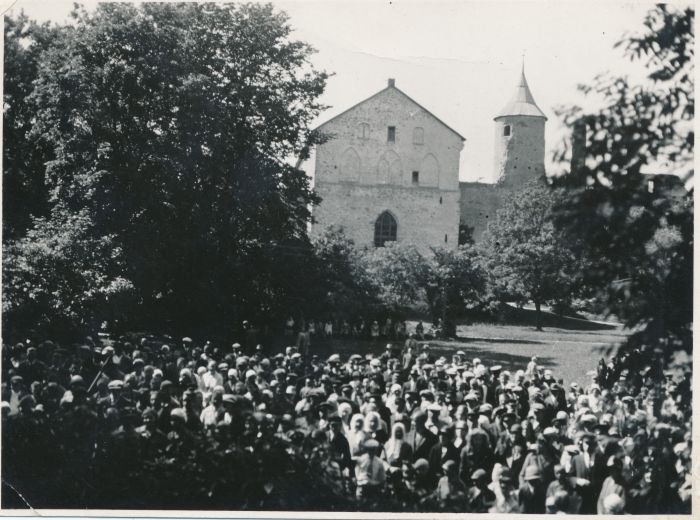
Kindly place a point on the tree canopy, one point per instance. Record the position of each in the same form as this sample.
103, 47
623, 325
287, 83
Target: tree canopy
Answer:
168, 127
636, 228
525, 255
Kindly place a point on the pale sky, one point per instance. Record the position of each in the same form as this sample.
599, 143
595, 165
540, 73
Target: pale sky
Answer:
461, 60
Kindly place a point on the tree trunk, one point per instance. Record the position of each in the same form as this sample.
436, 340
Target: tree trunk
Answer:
538, 315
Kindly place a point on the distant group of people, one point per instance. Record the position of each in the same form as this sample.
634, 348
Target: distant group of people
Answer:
406, 430
385, 329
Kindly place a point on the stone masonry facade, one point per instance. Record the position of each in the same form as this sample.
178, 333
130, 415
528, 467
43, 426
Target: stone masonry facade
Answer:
389, 154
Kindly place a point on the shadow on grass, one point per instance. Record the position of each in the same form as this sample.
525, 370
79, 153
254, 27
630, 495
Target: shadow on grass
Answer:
500, 341
510, 315
516, 316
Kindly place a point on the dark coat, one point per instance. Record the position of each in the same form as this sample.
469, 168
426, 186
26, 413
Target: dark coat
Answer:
421, 444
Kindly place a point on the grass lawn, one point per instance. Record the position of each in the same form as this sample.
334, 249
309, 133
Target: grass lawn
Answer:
570, 353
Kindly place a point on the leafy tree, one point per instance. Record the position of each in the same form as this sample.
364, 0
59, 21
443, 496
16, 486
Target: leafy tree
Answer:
637, 230
169, 127
526, 257
400, 272
456, 282
24, 190
60, 278
347, 288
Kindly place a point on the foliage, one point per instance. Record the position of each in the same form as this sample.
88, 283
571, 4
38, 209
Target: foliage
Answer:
526, 257
347, 287
637, 229
456, 282
24, 192
169, 126
60, 277
399, 272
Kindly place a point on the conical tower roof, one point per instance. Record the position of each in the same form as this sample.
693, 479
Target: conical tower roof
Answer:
522, 103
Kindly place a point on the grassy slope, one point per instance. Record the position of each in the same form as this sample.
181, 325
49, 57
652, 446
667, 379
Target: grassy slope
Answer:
570, 347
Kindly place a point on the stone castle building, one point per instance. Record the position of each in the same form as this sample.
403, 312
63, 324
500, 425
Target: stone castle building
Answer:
389, 170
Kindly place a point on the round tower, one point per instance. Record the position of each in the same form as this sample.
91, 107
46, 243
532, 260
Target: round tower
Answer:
519, 151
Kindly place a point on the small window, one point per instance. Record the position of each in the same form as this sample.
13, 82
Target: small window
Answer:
363, 132
445, 239
414, 178
440, 200
391, 134
418, 135
506, 130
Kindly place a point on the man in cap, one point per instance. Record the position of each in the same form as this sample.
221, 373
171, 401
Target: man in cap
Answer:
563, 483
337, 442
614, 484
115, 399
369, 472
479, 497
451, 491
420, 438
212, 377
589, 468
531, 494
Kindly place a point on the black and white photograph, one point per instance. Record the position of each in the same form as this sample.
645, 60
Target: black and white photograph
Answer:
347, 257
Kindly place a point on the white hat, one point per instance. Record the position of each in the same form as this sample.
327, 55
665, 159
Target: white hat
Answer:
250, 373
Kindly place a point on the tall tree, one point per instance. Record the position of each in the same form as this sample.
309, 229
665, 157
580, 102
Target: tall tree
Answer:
170, 126
24, 190
400, 272
456, 282
526, 257
636, 229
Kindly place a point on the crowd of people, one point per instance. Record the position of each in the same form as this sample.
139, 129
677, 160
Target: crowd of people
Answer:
138, 422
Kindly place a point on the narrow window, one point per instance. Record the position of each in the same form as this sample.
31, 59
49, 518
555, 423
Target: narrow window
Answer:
391, 134
418, 135
506, 130
445, 239
364, 131
414, 178
384, 229
440, 200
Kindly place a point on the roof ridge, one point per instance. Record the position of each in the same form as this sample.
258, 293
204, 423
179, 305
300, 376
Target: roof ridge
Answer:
389, 87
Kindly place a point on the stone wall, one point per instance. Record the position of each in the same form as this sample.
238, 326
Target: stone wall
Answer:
519, 157
360, 173
422, 219
478, 205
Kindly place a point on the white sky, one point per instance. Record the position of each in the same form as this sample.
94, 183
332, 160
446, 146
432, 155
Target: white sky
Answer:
461, 60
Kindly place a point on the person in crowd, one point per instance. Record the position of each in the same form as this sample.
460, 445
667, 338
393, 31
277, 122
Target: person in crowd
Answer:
416, 428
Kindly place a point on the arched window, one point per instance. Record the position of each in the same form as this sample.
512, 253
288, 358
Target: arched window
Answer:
384, 229
363, 131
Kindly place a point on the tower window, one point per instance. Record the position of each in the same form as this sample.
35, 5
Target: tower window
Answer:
414, 178
391, 134
384, 229
506, 130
